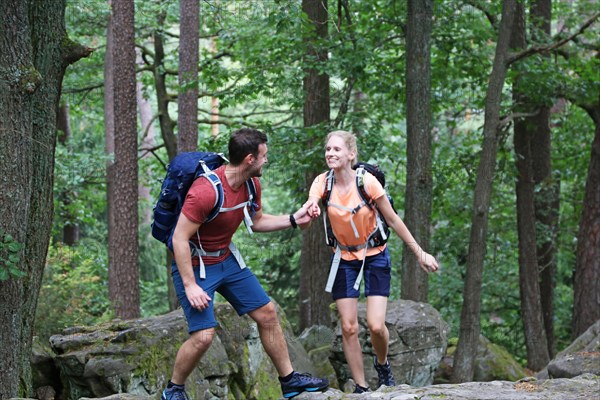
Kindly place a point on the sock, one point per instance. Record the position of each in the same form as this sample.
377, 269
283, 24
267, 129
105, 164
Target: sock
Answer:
287, 378
174, 386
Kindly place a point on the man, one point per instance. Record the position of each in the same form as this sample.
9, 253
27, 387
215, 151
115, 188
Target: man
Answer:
221, 268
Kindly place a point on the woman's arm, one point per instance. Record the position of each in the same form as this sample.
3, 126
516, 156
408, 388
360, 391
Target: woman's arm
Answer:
426, 261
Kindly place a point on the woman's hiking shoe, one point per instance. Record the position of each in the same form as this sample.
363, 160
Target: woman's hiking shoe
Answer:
384, 373
174, 394
299, 383
360, 389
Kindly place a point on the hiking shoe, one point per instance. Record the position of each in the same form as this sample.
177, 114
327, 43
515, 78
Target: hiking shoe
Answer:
384, 373
302, 383
360, 389
174, 394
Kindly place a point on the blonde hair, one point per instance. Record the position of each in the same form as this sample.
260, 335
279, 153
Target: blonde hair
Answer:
349, 139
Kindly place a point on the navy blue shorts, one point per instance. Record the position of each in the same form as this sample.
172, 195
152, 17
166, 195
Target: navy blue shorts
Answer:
239, 287
377, 276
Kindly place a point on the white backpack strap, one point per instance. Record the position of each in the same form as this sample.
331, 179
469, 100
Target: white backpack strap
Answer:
335, 263
360, 273
380, 226
237, 255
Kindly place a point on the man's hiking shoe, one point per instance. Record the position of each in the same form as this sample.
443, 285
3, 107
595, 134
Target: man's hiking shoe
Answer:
299, 383
174, 394
384, 373
360, 389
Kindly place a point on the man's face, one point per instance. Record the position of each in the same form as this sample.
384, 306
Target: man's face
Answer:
259, 160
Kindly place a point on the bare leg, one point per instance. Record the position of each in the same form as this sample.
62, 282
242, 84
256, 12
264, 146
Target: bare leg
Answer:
380, 336
348, 312
272, 338
190, 353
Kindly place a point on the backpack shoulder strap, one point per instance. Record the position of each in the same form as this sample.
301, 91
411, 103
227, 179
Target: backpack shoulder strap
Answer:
360, 186
217, 186
329, 181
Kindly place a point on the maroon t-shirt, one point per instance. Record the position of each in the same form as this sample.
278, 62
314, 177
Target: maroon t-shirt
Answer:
199, 201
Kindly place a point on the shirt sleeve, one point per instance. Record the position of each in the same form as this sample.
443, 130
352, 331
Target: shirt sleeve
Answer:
317, 189
199, 201
373, 187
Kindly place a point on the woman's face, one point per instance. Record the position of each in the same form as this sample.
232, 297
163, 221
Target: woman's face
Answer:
337, 153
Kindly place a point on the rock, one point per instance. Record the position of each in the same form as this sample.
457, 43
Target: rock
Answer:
122, 359
418, 340
316, 337
585, 387
582, 356
492, 363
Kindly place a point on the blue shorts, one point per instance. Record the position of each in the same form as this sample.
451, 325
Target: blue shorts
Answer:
376, 277
239, 286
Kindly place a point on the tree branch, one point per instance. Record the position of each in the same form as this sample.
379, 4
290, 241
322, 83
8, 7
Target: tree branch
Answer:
73, 51
491, 17
541, 49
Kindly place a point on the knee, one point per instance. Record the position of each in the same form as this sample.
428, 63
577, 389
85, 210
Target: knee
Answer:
377, 328
201, 340
350, 329
266, 315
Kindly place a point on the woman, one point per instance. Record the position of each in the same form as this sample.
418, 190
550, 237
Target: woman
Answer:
353, 225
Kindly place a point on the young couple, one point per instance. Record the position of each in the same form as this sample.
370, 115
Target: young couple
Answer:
226, 274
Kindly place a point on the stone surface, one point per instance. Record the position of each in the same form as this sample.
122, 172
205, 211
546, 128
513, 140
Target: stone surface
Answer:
585, 387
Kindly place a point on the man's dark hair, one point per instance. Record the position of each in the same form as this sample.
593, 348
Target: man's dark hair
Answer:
243, 142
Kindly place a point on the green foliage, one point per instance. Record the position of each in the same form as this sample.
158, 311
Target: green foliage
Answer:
11, 251
74, 289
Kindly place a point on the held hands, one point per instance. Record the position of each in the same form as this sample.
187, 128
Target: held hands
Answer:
197, 297
309, 211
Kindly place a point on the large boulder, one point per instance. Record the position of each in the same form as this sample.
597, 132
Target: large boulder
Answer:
582, 356
492, 363
418, 340
137, 356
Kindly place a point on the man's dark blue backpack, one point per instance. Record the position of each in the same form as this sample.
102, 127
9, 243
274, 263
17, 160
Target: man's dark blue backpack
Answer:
181, 173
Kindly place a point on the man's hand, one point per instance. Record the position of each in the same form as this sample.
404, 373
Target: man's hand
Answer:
197, 296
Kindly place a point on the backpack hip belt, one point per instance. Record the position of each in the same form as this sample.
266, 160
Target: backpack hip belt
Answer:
198, 251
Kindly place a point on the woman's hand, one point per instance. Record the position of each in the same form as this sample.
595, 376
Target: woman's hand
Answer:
427, 262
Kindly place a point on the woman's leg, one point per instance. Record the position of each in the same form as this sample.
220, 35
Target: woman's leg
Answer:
348, 312
380, 336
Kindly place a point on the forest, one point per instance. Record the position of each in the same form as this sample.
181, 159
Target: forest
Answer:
484, 115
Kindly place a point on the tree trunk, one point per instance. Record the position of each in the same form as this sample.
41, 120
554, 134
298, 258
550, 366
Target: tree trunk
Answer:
547, 189
187, 100
109, 127
34, 52
70, 227
464, 358
586, 309
417, 216
315, 257
166, 130
531, 305
123, 246
162, 96
148, 142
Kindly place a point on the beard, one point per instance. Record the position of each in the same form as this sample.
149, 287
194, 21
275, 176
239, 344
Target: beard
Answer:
256, 173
